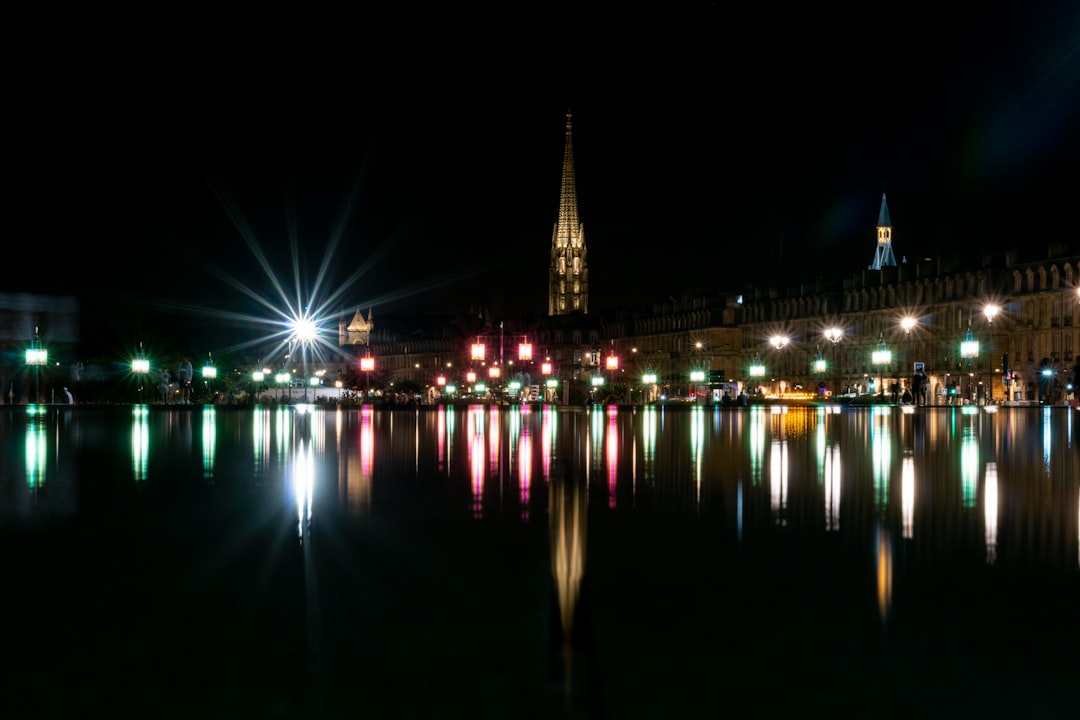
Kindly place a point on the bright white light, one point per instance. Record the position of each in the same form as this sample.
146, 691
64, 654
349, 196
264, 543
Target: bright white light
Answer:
305, 331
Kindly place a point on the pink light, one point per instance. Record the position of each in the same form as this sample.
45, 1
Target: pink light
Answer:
440, 381
525, 351
367, 364
494, 372
545, 368
612, 362
478, 351
470, 376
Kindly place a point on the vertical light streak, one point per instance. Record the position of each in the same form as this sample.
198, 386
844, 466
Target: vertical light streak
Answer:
697, 444
494, 439
450, 424
476, 458
884, 573
140, 442
757, 443
359, 463
567, 518
778, 472
596, 434
969, 467
739, 510
303, 476
821, 443
440, 437
209, 440
260, 438
881, 448
611, 444
990, 511
548, 425
832, 489
283, 434
648, 443
1046, 437
524, 459
907, 496
35, 447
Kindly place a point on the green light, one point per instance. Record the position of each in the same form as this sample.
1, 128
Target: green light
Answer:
649, 379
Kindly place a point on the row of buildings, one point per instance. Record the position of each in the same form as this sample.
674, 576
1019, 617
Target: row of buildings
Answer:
1002, 328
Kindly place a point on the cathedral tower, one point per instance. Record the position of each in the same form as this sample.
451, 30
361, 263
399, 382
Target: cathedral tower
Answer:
883, 256
568, 275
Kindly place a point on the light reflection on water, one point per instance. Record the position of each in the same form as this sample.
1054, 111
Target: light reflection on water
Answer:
944, 462
917, 494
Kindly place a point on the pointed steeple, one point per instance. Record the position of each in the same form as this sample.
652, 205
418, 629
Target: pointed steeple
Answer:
883, 255
568, 275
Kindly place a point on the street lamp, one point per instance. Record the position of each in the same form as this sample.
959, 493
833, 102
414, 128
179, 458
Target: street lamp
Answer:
834, 335
969, 350
908, 323
140, 366
257, 378
209, 372
36, 356
757, 370
881, 357
779, 342
283, 379
991, 311
367, 365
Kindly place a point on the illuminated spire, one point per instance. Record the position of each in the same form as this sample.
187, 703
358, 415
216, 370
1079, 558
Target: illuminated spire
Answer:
568, 275
883, 256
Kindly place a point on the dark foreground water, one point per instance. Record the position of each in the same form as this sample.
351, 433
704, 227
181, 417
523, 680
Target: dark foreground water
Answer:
538, 563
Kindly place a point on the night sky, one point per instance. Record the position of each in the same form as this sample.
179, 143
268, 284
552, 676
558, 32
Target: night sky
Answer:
714, 148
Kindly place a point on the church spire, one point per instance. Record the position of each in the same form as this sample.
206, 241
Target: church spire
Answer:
883, 256
568, 275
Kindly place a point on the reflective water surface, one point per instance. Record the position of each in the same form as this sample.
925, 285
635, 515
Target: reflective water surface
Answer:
539, 562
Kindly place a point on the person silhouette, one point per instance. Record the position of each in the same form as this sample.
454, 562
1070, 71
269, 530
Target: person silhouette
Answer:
183, 374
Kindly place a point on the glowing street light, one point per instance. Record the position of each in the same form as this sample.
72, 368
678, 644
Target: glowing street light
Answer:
835, 335
140, 366
757, 368
36, 356
881, 357
209, 372
367, 366
283, 379
969, 350
257, 377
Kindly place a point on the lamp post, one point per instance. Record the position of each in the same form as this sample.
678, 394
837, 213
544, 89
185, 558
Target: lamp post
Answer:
283, 379
36, 356
209, 372
779, 342
881, 357
969, 350
367, 365
908, 323
991, 311
757, 369
834, 335
140, 366
257, 378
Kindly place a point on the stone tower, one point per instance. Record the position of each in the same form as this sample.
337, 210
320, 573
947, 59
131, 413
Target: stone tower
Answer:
883, 256
568, 275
